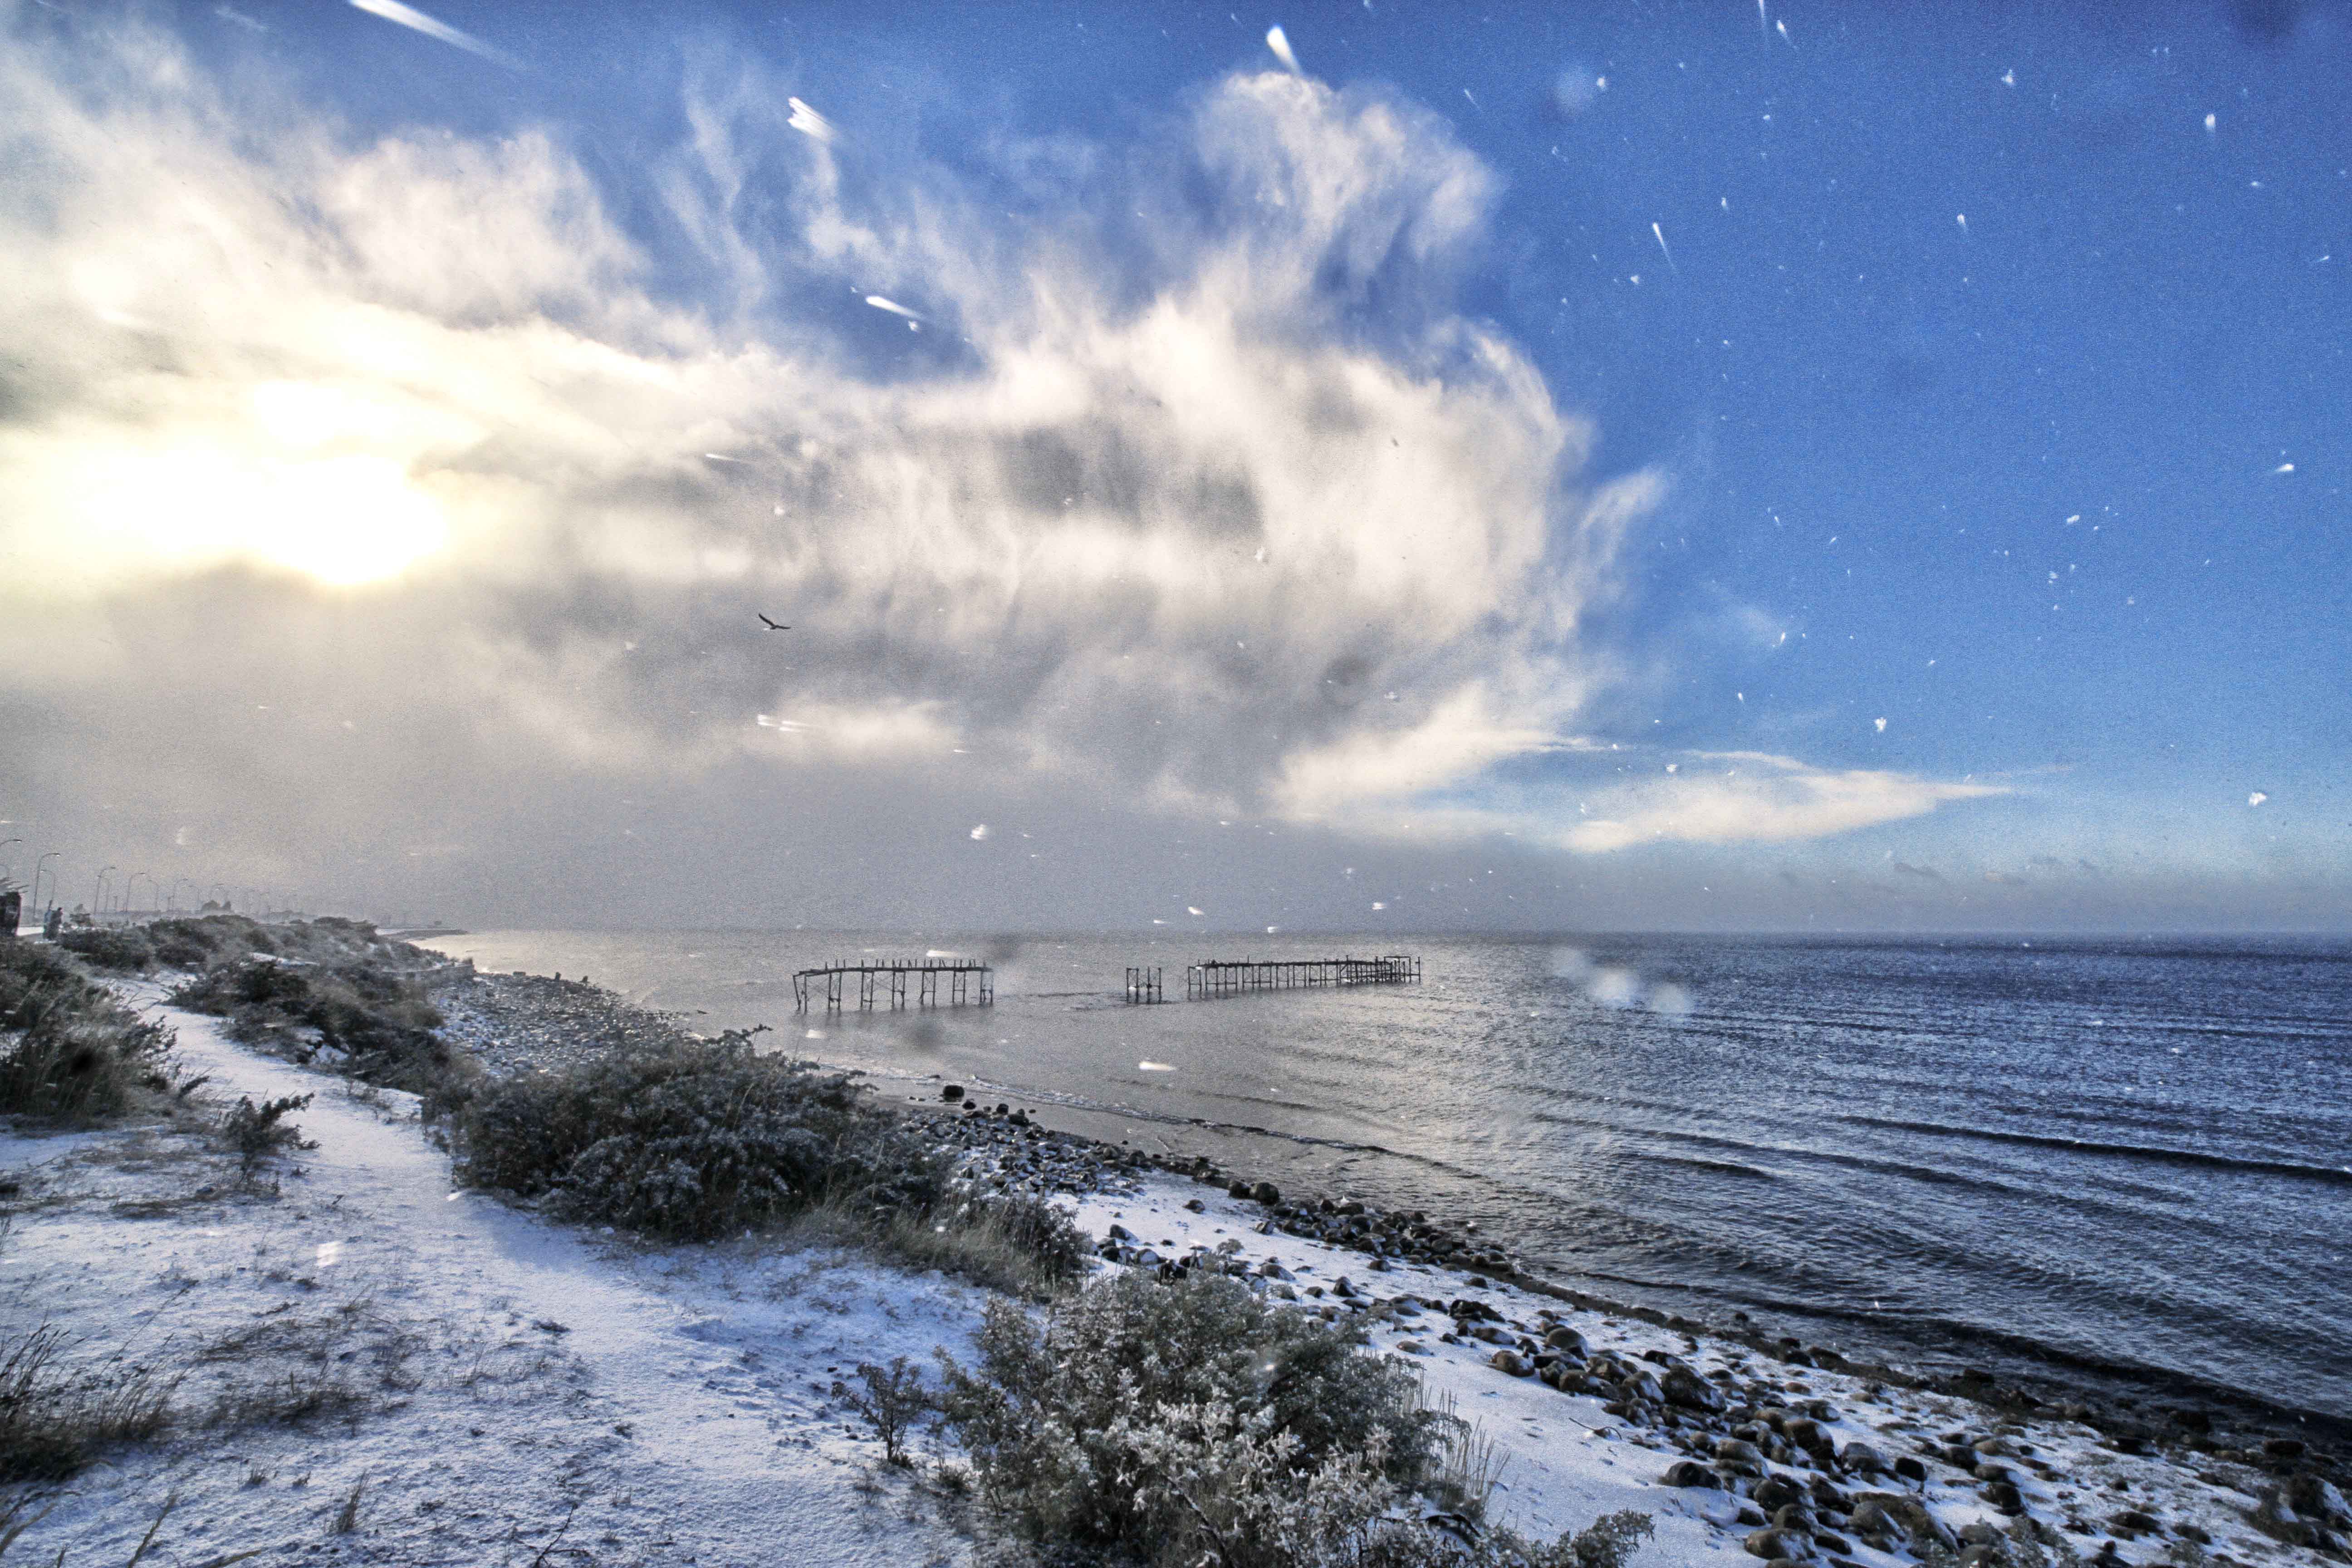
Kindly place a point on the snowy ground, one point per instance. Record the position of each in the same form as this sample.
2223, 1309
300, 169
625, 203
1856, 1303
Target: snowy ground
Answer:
488, 1383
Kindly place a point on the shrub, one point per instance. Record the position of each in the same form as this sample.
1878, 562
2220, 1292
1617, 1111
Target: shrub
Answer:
78, 1056
1191, 1423
123, 948
694, 1139
892, 1400
54, 1420
375, 1020
255, 1132
1082, 1428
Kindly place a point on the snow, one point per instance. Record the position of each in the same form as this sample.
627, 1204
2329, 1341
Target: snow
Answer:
670, 1403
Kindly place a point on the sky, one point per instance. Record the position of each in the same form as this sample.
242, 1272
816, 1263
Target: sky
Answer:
1367, 466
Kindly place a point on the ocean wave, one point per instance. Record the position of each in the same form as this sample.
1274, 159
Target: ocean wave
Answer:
2339, 1176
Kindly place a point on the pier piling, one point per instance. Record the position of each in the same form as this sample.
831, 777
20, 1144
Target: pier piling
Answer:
967, 982
1219, 977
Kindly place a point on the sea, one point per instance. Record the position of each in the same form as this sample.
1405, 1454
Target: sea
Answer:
2122, 1165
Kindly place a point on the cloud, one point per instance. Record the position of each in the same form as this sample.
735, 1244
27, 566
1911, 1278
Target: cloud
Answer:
410, 431
1754, 796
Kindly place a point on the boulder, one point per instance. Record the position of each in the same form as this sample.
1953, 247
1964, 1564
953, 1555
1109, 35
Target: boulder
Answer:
1863, 1460
1686, 1389
1910, 1468
1266, 1193
2314, 1498
1569, 1341
1775, 1492
1910, 1513
1512, 1362
1689, 1473
1772, 1543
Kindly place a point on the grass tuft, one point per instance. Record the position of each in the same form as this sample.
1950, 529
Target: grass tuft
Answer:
56, 1418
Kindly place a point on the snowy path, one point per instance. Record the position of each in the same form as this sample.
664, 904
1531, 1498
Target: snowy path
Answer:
678, 1407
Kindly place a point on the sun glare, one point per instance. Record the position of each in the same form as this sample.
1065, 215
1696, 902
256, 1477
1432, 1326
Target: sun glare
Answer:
344, 520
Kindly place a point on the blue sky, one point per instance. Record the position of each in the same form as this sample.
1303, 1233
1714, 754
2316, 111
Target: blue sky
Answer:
1845, 467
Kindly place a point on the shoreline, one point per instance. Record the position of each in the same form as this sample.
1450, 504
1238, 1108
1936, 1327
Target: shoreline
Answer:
2152, 1405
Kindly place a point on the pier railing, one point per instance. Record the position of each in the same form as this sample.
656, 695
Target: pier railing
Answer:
1221, 978
1143, 984
966, 983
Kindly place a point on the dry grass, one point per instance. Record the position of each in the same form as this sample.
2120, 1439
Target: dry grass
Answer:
57, 1415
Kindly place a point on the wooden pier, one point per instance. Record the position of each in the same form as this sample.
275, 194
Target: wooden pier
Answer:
1143, 984
1220, 978
966, 983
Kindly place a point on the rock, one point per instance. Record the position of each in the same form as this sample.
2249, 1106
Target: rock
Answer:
2276, 1518
1980, 1556
1738, 1456
2004, 1495
1686, 1389
1910, 1468
951, 1092
1863, 1460
1830, 1540
1196, 1206
1512, 1362
1641, 1386
1238, 1189
1689, 1473
2283, 1447
1569, 1340
1793, 1516
1977, 1532
1119, 1232
2137, 1519
1777, 1492
1266, 1193
1773, 1545
2315, 1499
1912, 1515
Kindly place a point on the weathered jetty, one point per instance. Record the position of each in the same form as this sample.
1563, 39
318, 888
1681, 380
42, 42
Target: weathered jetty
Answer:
1143, 984
1221, 978
966, 983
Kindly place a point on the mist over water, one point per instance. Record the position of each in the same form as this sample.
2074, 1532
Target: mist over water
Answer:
2122, 1158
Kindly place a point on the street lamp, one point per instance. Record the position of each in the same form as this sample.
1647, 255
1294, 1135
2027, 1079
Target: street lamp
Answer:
51, 854
97, 896
172, 898
130, 884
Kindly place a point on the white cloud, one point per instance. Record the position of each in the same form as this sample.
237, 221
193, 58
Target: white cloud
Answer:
1157, 519
1752, 797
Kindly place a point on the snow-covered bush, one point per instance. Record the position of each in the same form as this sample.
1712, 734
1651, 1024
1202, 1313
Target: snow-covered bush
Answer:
695, 1139
254, 1133
367, 1017
69, 1051
1165, 1418
1193, 1423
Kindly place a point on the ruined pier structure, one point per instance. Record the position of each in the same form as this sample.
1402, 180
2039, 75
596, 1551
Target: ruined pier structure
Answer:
1218, 978
972, 983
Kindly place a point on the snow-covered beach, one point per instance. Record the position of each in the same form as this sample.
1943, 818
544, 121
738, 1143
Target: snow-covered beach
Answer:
466, 1381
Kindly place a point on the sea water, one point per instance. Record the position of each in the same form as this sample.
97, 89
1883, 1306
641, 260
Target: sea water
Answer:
2127, 1161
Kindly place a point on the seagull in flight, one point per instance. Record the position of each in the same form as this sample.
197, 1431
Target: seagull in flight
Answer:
772, 626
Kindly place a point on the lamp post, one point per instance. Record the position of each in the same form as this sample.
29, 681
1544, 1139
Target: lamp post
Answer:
97, 894
51, 854
127, 887
172, 898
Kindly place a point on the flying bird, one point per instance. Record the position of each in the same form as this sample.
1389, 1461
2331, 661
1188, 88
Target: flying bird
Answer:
772, 626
